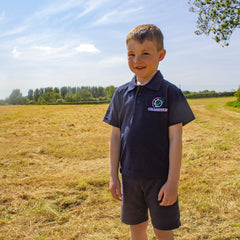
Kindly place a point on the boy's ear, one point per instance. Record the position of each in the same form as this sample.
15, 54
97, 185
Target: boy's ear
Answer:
162, 54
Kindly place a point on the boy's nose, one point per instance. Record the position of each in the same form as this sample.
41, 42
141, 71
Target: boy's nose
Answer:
137, 59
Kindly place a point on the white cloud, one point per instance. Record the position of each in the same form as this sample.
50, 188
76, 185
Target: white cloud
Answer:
14, 31
90, 6
45, 53
106, 18
90, 48
117, 16
57, 8
15, 53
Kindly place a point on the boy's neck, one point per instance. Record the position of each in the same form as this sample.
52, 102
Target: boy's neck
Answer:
143, 82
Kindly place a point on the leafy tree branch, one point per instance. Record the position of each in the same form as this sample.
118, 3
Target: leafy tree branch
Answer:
217, 17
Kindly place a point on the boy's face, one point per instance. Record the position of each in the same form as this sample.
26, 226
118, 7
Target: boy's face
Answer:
143, 59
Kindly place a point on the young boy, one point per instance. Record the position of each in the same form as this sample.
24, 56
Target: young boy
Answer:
147, 115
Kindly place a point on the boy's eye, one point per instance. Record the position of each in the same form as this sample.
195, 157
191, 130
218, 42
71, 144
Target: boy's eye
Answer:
131, 55
146, 53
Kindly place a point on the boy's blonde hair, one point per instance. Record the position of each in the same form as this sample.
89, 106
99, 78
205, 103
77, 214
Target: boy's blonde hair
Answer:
147, 32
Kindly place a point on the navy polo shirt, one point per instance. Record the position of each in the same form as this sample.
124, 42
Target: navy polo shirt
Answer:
144, 114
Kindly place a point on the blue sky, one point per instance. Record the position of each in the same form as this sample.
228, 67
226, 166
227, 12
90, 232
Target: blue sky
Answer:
82, 43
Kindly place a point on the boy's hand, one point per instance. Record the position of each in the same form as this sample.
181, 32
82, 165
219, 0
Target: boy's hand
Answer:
168, 194
115, 188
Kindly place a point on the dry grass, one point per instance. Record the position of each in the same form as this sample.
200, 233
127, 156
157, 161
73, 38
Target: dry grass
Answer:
54, 174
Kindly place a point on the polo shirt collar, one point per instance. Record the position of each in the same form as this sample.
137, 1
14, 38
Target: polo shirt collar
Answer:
154, 84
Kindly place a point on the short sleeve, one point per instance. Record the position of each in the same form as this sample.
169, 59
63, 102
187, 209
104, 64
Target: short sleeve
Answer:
179, 110
112, 114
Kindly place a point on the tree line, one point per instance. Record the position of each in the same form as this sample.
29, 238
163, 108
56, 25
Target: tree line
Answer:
207, 94
63, 95
87, 95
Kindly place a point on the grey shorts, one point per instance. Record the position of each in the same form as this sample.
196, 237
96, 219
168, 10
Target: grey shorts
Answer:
141, 195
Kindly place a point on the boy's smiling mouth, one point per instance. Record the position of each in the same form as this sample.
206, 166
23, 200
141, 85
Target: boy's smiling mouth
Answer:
140, 67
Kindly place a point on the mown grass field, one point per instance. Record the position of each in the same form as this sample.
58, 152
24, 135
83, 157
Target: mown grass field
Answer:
54, 174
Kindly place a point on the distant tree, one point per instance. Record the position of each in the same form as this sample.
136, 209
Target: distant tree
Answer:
30, 94
36, 94
86, 88
204, 91
70, 97
73, 90
101, 92
15, 97
110, 91
41, 100
48, 89
56, 90
21, 100
49, 98
45, 98
83, 94
58, 97
41, 91
69, 89
97, 92
94, 91
63, 92
186, 92
219, 17
237, 94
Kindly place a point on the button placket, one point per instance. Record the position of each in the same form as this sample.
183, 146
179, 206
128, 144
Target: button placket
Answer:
138, 94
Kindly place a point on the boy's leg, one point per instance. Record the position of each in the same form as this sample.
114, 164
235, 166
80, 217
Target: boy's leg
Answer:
163, 235
139, 231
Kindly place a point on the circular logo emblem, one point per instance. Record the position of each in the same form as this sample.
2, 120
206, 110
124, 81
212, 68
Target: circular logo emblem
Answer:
157, 102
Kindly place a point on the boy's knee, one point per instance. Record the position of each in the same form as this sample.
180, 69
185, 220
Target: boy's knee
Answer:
139, 231
163, 235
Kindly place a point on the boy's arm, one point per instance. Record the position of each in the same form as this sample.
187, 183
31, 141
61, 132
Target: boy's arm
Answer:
115, 186
169, 190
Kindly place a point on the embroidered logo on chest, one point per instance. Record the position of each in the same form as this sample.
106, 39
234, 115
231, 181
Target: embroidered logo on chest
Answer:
157, 105
157, 102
